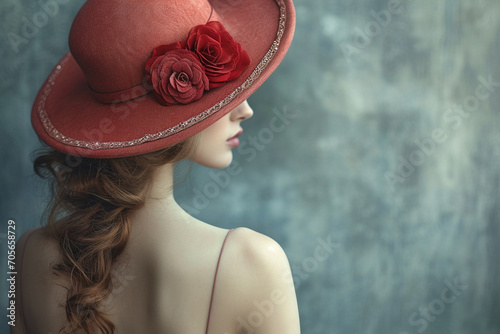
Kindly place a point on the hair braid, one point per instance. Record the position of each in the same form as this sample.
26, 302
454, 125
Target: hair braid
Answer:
89, 217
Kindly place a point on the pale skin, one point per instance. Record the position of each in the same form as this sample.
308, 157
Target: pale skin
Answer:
163, 281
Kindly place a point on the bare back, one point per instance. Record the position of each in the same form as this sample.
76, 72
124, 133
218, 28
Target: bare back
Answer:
163, 282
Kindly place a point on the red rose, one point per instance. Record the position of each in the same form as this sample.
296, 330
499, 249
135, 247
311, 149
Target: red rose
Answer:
222, 57
176, 75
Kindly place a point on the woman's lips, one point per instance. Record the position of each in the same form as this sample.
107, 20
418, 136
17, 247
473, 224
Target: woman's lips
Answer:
234, 141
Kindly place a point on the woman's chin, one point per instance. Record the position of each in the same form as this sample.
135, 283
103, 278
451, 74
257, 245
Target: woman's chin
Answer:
219, 162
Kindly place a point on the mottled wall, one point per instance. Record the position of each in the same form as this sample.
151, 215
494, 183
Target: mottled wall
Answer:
373, 158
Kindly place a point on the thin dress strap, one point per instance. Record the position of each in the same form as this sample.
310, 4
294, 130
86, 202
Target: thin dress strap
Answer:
215, 279
20, 280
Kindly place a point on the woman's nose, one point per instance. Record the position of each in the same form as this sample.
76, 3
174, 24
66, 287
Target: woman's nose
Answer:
243, 111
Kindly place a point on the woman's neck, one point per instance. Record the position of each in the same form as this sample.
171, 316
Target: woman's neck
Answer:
160, 204
161, 187
160, 220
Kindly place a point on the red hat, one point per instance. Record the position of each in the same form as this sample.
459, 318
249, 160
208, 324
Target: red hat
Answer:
144, 75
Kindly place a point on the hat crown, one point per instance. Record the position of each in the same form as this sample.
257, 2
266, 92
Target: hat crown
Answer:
111, 40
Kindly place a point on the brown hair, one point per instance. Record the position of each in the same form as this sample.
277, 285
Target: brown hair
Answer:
88, 215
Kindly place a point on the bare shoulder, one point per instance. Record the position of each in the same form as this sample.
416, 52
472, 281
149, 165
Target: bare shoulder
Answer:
20, 264
40, 247
259, 280
257, 250
39, 252
37, 295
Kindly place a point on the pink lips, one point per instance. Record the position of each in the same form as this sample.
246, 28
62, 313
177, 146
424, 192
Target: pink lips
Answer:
234, 141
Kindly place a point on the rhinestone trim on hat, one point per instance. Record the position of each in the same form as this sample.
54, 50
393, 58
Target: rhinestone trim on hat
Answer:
54, 133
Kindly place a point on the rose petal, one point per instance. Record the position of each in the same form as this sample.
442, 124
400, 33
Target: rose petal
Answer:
199, 94
183, 66
209, 31
242, 64
188, 94
217, 81
181, 85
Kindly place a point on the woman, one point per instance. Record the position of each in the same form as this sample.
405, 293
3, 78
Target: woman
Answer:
145, 86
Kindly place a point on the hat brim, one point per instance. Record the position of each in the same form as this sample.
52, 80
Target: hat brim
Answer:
66, 116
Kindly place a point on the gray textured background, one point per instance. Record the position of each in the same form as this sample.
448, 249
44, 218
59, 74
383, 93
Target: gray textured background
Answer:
381, 158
